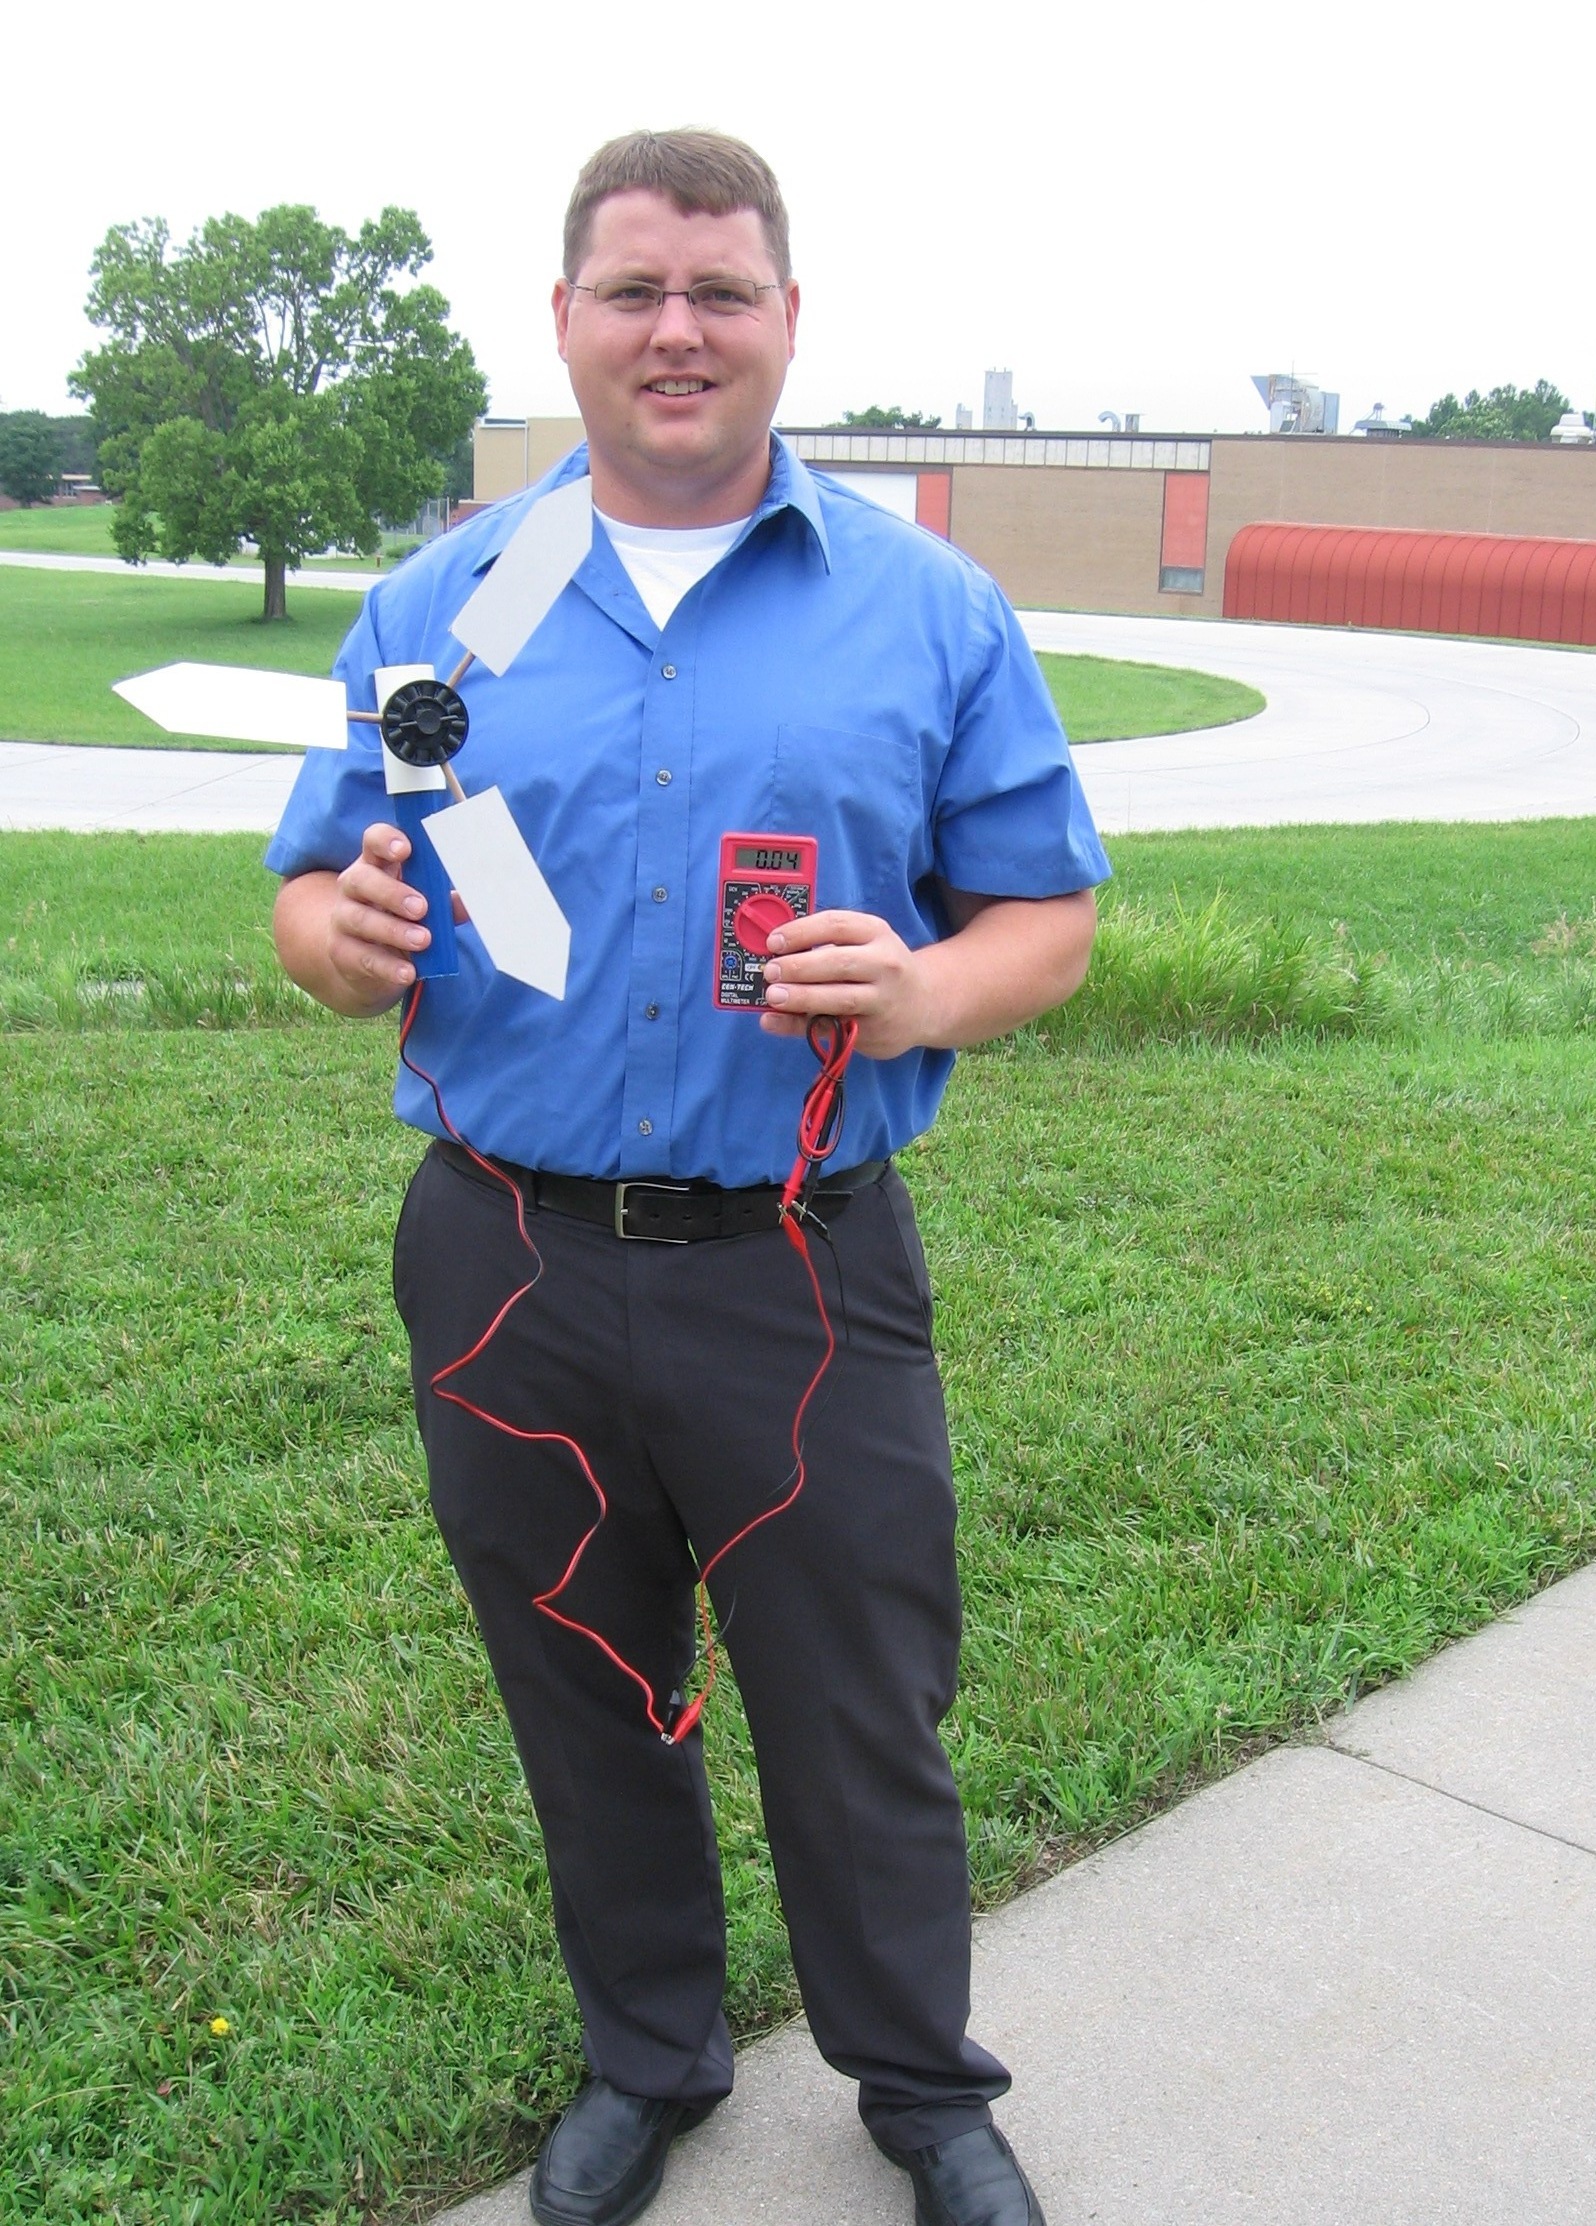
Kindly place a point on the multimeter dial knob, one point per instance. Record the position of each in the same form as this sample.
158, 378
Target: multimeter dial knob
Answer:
757, 918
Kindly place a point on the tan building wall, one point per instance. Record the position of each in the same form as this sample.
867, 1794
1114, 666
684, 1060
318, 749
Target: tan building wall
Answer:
1075, 540
1075, 522
508, 454
1089, 540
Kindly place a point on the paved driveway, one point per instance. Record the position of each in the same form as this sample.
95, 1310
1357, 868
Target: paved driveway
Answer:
1359, 727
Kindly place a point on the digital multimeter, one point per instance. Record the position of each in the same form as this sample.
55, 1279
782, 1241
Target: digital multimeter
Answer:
765, 881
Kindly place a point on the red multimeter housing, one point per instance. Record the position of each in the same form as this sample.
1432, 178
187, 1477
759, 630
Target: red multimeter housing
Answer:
765, 881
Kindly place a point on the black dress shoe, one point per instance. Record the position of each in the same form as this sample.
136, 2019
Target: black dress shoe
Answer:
972, 2180
604, 2161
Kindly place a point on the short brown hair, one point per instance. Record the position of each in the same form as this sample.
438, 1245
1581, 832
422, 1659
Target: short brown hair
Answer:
698, 170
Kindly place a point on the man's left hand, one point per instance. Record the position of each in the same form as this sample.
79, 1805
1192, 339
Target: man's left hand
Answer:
851, 966
1007, 959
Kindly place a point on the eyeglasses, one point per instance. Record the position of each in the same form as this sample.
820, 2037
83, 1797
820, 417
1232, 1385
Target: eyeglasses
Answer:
711, 297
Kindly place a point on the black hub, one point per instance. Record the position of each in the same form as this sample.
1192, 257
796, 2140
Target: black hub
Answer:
424, 722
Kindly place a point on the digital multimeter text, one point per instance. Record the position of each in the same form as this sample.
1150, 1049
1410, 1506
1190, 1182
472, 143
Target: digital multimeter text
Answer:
765, 881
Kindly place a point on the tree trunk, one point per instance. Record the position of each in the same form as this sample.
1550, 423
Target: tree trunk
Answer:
276, 568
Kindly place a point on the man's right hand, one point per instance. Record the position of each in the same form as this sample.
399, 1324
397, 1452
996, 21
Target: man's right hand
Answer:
350, 938
377, 924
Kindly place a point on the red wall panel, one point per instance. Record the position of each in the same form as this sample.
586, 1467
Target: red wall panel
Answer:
1185, 541
933, 501
1509, 585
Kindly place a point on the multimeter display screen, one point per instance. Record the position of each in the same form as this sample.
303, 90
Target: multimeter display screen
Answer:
764, 860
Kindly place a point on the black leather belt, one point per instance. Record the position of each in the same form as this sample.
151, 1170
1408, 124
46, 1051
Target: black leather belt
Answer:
662, 1212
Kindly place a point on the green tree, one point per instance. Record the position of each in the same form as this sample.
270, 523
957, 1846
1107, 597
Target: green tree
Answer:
272, 381
78, 436
74, 438
876, 419
460, 471
30, 456
1507, 413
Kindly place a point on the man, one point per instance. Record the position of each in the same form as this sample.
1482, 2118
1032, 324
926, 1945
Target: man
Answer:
748, 648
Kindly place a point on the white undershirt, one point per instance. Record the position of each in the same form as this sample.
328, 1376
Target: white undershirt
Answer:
665, 561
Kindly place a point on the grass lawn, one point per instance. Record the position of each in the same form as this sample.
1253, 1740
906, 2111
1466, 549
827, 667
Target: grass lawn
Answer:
1269, 1369
117, 905
85, 530
1514, 904
1489, 893
1104, 699
79, 531
64, 637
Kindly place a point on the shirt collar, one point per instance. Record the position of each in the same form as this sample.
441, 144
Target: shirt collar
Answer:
791, 487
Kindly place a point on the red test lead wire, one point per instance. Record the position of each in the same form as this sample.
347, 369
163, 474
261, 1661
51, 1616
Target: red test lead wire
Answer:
819, 1128
439, 1384
818, 1131
820, 1123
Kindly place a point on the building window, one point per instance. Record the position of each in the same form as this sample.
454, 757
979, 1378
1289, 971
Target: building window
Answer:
1180, 579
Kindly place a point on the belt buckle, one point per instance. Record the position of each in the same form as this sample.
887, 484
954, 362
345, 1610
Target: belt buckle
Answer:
642, 1236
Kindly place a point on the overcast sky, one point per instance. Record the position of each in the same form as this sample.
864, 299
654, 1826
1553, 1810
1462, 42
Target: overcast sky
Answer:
1134, 208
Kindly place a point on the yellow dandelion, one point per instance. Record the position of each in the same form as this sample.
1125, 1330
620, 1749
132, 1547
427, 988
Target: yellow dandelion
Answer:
219, 2026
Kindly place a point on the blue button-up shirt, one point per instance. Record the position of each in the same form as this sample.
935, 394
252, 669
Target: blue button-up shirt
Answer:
839, 674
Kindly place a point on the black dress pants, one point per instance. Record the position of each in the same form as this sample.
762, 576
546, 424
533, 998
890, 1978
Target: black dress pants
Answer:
677, 1368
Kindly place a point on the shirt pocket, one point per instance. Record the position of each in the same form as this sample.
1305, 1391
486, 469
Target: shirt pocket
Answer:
858, 795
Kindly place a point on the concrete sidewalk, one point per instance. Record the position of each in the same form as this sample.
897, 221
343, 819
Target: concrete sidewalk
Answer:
1353, 1985
29, 560
88, 790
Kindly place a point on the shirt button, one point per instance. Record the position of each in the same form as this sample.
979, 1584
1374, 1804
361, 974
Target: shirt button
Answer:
660, 894
667, 672
645, 1128
651, 1012
663, 778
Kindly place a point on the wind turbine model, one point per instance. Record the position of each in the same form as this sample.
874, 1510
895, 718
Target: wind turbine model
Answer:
471, 844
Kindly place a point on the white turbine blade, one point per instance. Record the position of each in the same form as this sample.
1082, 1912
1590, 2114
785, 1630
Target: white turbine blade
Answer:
531, 571
242, 705
403, 779
512, 907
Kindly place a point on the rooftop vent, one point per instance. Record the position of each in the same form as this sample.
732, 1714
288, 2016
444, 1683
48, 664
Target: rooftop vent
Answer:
1296, 405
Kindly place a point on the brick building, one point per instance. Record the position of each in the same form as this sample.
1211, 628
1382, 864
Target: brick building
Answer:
1143, 523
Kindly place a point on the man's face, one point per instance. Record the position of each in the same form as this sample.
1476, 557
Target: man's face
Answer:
677, 407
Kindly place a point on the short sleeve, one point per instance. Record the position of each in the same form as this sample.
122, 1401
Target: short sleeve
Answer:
1009, 817
338, 793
